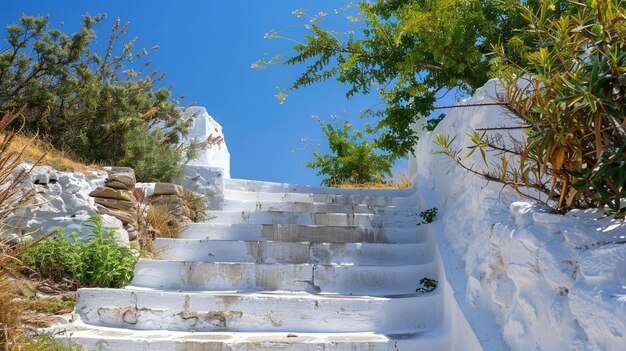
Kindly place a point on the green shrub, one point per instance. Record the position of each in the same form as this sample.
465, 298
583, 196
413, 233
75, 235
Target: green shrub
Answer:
570, 98
97, 261
101, 109
353, 159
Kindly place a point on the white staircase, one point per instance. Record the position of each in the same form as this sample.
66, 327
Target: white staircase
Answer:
282, 267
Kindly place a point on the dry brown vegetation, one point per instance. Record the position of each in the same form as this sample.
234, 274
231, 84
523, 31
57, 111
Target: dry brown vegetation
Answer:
399, 181
15, 301
35, 149
197, 206
165, 223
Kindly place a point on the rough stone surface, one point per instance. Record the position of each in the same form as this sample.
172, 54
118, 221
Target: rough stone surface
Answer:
124, 216
167, 189
115, 204
110, 193
61, 200
206, 181
116, 197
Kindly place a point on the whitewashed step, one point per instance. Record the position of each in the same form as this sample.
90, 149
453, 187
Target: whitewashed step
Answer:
307, 197
115, 339
238, 205
262, 186
308, 233
253, 312
312, 278
292, 252
307, 218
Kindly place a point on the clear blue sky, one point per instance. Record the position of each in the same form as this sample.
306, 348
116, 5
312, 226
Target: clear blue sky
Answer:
206, 49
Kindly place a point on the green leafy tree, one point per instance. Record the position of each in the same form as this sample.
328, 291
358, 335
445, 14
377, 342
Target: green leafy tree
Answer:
570, 97
411, 52
352, 159
98, 107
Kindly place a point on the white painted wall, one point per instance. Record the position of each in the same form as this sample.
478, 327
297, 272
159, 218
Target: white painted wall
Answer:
524, 277
204, 128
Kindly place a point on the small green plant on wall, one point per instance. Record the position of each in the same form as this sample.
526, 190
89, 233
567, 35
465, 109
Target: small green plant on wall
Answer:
426, 285
428, 216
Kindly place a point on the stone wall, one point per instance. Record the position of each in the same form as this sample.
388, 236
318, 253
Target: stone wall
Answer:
206, 130
61, 200
115, 198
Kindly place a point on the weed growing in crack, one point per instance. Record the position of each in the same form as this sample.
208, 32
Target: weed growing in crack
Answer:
426, 285
428, 216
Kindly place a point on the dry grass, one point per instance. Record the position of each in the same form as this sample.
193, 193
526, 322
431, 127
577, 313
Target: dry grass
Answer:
399, 181
14, 150
22, 308
197, 206
36, 149
9, 312
160, 218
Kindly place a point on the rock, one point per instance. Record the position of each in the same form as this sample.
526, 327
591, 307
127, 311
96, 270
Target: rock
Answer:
117, 185
124, 216
166, 200
167, 189
178, 212
63, 197
115, 204
109, 193
44, 175
132, 233
119, 169
121, 235
127, 179
42, 179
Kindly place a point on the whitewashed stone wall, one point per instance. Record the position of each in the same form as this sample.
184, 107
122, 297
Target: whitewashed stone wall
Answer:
538, 280
205, 128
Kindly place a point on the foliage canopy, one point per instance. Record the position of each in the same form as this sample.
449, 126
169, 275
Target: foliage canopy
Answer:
412, 52
99, 107
353, 158
570, 97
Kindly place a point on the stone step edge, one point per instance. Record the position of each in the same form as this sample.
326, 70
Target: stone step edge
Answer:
253, 264
176, 249
317, 203
278, 294
276, 212
240, 184
166, 340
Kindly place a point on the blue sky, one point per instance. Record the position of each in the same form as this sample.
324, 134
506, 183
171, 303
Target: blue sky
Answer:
206, 49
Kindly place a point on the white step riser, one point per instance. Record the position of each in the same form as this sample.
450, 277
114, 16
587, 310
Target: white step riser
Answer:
272, 187
143, 310
121, 339
282, 267
305, 218
346, 280
237, 205
302, 233
310, 198
294, 253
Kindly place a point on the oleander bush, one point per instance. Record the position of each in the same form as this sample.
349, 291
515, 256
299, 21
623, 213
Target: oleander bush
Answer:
570, 99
